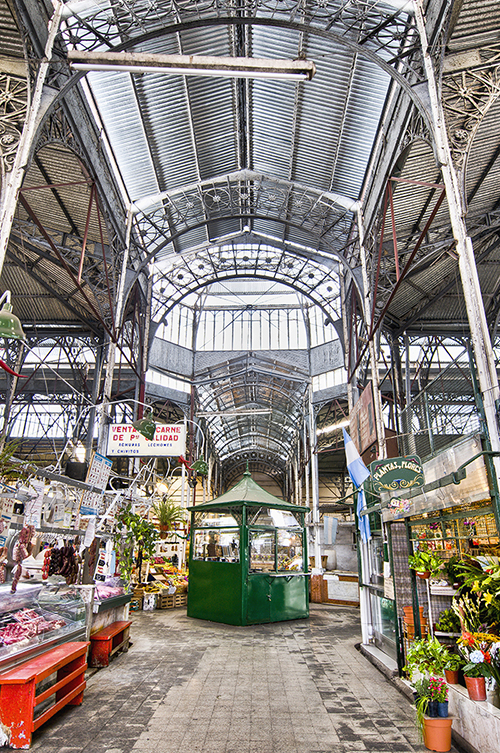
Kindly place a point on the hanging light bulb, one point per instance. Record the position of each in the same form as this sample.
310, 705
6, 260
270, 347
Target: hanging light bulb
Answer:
146, 426
10, 326
200, 466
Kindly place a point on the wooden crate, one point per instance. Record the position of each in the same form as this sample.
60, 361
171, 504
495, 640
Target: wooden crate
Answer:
170, 601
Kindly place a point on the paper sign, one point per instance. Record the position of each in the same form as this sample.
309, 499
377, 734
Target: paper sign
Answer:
97, 475
33, 508
89, 533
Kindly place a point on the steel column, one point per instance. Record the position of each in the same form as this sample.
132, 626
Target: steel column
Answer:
485, 362
40, 102
314, 483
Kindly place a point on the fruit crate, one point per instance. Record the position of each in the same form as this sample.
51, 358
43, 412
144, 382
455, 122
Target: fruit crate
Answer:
170, 601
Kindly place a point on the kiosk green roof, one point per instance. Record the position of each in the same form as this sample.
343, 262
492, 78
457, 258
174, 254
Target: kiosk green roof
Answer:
248, 492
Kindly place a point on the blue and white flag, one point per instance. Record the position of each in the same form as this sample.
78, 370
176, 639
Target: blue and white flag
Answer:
358, 472
330, 525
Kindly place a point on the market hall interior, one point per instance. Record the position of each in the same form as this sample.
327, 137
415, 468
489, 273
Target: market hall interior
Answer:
299, 686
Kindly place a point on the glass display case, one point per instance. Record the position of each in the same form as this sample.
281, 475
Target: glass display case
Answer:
38, 616
247, 558
109, 595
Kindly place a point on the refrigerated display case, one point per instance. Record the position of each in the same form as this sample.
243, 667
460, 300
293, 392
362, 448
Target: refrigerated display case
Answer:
39, 616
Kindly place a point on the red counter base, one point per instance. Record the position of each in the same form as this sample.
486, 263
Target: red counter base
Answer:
18, 697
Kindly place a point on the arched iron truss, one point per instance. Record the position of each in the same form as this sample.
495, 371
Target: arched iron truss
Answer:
189, 272
248, 383
321, 220
324, 224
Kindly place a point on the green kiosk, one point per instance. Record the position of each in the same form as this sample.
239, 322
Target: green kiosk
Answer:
248, 558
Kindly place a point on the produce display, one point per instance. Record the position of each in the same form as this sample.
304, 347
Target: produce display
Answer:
167, 576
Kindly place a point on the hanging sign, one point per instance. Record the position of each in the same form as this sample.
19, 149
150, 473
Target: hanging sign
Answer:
168, 441
441, 490
362, 428
97, 475
33, 507
396, 473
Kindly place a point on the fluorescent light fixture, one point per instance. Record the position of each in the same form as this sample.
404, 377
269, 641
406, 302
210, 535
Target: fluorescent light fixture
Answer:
256, 412
192, 65
332, 427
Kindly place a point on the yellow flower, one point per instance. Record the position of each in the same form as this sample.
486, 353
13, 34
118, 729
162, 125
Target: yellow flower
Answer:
476, 586
488, 598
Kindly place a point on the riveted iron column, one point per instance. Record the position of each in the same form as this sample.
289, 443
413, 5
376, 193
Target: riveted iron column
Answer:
314, 482
40, 101
483, 352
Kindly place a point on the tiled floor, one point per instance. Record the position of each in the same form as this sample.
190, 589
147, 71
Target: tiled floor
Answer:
188, 686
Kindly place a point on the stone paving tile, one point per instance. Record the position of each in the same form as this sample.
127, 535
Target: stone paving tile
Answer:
189, 685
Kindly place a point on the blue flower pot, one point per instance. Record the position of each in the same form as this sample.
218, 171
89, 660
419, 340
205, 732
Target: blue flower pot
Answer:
432, 708
442, 709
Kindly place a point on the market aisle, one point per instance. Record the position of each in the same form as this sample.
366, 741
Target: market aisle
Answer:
188, 686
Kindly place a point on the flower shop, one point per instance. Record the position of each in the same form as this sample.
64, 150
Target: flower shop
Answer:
435, 561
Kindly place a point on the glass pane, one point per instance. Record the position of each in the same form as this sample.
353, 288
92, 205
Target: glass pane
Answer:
290, 550
384, 621
262, 548
217, 518
217, 545
265, 516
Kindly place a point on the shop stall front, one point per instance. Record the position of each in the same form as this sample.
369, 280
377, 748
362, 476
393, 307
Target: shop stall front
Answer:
38, 617
447, 510
248, 558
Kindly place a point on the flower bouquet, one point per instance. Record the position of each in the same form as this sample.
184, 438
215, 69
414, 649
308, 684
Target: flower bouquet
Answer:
481, 652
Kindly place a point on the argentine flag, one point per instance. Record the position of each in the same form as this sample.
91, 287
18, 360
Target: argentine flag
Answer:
358, 472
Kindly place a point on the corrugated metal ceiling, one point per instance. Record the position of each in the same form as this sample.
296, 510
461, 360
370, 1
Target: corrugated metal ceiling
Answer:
172, 132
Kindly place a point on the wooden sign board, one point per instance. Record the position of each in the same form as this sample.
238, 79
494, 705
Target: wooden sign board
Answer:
362, 427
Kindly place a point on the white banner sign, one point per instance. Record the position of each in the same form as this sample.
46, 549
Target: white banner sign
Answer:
169, 441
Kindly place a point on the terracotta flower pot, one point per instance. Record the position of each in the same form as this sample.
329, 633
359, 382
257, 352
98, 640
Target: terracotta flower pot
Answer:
476, 687
425, 574
437, 734
410, 625
451, 676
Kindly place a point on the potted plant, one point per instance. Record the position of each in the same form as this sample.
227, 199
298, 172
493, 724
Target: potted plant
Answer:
169, 515
133, 532
448, 623
480, 651
452, 668
438, 692
432, 713
426, 564
426, 656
